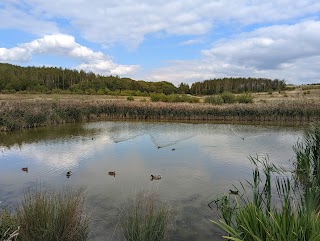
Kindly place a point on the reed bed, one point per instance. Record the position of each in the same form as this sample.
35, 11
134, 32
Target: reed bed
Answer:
18, 114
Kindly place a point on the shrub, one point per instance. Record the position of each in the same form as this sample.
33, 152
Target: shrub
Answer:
216, 100
245, 98
100, 92
130, 98
228, 97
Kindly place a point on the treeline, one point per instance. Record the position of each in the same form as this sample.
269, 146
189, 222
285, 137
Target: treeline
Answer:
60, 80
47, 79
236, 85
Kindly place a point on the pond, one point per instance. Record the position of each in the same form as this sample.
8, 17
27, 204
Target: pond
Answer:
197, 163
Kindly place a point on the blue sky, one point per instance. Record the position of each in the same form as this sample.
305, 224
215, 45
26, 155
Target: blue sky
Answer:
176, 41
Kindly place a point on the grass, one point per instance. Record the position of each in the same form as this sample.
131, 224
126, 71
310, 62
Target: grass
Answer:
48, 216
146, 219
9, 228
277, 206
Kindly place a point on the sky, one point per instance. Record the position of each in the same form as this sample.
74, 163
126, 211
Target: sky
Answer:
168, 40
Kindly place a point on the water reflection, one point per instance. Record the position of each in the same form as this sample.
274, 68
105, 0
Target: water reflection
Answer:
115, 160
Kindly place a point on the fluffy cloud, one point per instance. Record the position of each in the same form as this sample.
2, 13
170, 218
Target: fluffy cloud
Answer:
65, 45
289, 52
128, 22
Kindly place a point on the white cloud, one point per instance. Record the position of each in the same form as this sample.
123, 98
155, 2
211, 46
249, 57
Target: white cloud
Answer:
65, 45
14, 17
128, 22
289, 52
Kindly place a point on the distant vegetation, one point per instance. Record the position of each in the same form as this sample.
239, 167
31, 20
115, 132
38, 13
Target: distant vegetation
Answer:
29, 113
229, 98
58, 80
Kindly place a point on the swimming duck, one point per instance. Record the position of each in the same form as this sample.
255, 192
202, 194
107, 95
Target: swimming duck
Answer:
157, 177
25, 169
234, 192
112, 173
69, 173
173, 149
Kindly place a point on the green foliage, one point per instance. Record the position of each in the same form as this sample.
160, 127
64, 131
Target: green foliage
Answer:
236, 85
50, 79
130, 98
214, 99
307, 164
146, 219
228, 98
245, 98
173, 98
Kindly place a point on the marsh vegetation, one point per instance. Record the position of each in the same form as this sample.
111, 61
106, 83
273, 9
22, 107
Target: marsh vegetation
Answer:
276, 205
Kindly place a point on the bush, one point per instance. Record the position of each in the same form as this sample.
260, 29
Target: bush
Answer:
130, 98
245, 98
146, 219
228, 98
216, 100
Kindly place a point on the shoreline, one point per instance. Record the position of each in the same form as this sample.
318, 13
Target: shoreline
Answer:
17, 114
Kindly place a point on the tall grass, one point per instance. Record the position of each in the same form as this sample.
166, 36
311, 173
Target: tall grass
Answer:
53, 216
307, 165
146, 219
277, 207
9, 229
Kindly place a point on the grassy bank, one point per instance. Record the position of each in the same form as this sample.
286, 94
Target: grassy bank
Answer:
27, 112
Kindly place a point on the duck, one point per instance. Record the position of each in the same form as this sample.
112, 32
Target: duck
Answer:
25, 169
173, 149
69, 173
157, 177
234, 192
112, 173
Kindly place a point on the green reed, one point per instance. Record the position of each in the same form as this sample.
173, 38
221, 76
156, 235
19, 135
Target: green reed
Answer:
146, 219
277, 206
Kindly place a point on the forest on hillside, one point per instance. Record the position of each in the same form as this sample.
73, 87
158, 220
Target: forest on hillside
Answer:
61, 80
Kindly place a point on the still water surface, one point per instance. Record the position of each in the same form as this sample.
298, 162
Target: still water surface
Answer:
197, 162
